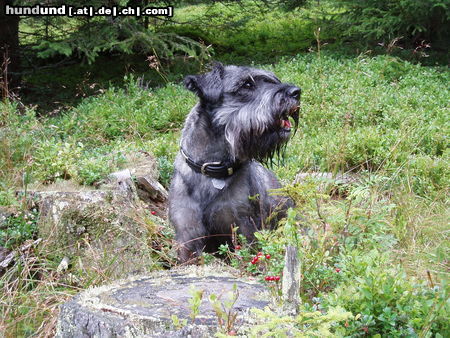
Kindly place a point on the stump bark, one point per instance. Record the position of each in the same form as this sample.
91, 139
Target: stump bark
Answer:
144, 306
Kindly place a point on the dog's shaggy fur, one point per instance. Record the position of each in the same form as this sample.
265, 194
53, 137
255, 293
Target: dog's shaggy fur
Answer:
242, 117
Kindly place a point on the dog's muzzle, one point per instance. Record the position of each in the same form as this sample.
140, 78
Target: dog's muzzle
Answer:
292, 93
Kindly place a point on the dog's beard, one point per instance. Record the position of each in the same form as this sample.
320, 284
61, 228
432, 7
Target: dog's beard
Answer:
258, 132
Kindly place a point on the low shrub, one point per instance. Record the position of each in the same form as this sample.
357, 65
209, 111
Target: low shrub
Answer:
385, 301
412, 21
18, 228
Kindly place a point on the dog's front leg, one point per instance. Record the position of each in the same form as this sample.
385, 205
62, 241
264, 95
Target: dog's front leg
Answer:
190, 232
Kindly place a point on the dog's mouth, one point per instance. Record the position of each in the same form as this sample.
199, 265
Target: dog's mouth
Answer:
285, 122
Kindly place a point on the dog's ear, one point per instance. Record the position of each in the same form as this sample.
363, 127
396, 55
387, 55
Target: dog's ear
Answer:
190, 82
209, 86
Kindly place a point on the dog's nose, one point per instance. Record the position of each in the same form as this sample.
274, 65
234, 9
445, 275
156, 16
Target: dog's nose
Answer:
294, 92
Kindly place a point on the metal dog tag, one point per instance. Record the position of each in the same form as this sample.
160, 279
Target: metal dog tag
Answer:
218, 184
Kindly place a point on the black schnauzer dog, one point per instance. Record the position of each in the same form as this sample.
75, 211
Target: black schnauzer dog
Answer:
243, 117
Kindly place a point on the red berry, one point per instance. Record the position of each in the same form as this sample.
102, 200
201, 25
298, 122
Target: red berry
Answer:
237, 247
338, 270
268, 256
267, 278
259, 254
254, 261
153, 212
277, 278
272, 277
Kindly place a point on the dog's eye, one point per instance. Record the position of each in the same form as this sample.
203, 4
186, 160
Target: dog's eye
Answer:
249, 84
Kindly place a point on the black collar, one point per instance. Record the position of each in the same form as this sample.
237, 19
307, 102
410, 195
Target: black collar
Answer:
212, 169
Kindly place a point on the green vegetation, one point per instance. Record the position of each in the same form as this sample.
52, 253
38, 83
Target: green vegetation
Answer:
381, 117
18, 228
356, 256
374, 250
250, 25
365, 113
414, 22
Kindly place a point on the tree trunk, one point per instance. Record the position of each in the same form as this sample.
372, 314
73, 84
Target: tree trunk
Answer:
9, 50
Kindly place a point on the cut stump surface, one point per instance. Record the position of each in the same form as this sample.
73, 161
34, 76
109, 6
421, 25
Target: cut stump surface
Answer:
145, 306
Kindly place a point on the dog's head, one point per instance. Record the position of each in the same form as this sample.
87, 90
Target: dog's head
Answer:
251, 106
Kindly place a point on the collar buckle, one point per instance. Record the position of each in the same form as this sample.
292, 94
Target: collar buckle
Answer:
204, 165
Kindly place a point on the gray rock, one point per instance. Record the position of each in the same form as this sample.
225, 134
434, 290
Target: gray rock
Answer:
138, 182
339, 178
150, 189
122, 182
97, 230
326, 181
144, 306
6, 257
107, 231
